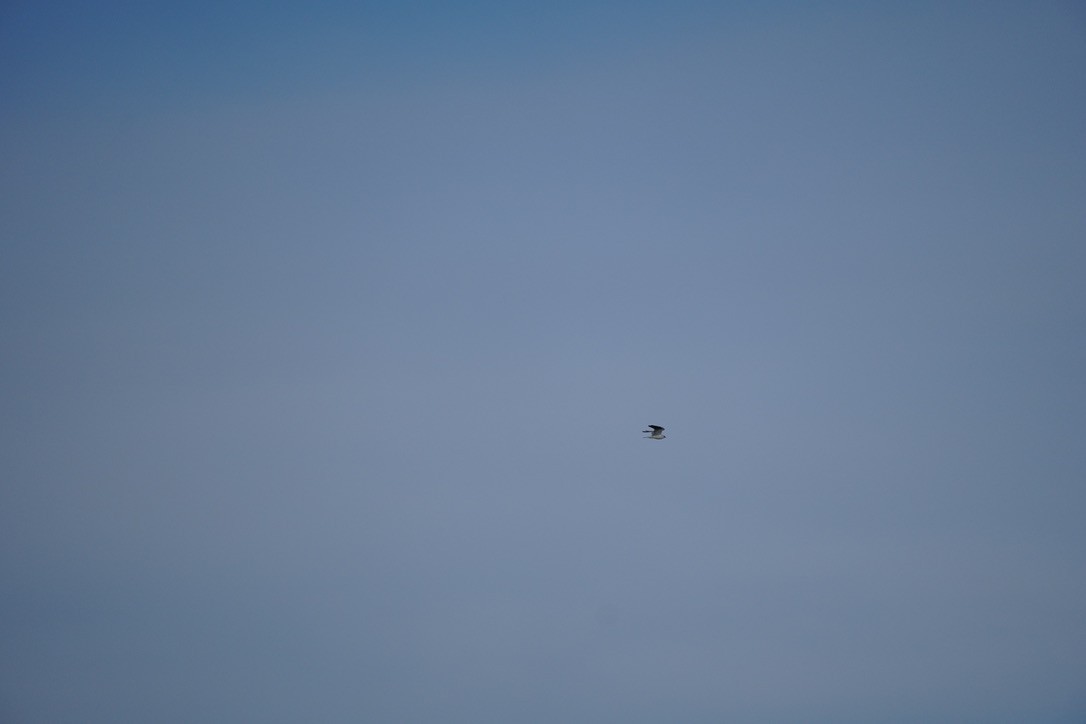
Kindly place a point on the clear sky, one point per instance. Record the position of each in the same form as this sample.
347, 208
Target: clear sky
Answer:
329, 330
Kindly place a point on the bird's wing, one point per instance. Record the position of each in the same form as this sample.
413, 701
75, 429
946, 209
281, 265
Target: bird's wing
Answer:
657, 428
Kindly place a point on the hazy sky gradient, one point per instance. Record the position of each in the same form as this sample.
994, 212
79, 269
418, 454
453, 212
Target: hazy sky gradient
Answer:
329, 331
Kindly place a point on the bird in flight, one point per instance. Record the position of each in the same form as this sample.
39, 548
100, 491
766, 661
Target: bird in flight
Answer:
657, 432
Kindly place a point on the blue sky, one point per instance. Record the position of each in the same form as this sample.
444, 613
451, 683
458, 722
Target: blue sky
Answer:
330, 331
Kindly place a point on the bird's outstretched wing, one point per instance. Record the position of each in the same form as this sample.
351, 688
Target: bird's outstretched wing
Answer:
654, 428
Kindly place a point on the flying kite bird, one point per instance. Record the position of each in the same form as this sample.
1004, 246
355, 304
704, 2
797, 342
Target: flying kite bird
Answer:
657, 432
